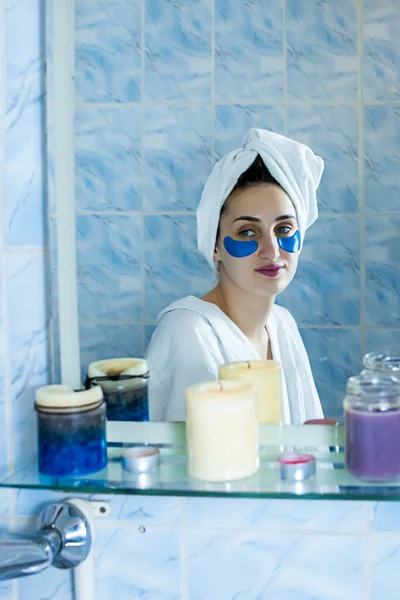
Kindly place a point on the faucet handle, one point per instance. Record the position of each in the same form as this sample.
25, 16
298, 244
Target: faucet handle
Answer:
73, 529
64, 539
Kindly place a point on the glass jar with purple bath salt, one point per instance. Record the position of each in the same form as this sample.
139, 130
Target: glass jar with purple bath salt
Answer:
71, 431
124, 382
372, 417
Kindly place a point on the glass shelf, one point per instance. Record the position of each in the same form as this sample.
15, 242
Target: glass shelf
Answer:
331, 481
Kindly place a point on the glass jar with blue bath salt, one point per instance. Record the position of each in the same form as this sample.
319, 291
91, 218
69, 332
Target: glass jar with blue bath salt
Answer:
71, 431
124, 382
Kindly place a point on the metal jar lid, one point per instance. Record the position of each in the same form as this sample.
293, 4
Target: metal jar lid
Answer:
296, 466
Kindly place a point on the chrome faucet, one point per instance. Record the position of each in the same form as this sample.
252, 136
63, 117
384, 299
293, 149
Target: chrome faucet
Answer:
63, 540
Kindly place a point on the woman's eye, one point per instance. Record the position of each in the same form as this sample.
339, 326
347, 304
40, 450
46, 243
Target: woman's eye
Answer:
246, 233
284, 229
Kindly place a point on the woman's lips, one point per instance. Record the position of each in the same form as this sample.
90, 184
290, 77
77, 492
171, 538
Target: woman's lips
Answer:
270, 271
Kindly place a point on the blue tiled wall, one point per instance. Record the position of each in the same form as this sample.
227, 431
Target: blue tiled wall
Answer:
164, 88
220, 549
24, 357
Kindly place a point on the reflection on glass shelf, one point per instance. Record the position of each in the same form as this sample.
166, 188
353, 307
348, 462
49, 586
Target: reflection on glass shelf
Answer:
331, 481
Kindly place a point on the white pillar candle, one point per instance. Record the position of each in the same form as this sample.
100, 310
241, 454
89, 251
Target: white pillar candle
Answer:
222, 430
265, 375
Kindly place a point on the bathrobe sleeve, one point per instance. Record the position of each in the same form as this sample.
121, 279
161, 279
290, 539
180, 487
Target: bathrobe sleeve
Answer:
184, 350
300, 396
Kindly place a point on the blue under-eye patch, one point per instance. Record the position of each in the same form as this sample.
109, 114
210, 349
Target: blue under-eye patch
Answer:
290, 244
240, 249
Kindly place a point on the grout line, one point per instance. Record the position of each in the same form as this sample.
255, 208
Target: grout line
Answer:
213, 82
184, 556
367, 553
133, 213
361, 189
285, 97
6, 343
34, 250
142, 134
227, 529
301, 326
238, 102
323, 326
285, 74
385, 534
51, 233
115, 322
5, 316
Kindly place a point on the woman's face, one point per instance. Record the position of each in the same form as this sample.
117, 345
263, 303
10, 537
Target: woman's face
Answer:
261, 214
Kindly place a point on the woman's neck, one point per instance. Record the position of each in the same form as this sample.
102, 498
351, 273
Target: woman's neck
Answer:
248, 311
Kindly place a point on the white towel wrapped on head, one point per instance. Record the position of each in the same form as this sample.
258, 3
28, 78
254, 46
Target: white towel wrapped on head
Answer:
294, 166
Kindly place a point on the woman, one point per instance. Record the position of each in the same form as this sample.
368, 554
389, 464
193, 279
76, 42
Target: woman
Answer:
254, 210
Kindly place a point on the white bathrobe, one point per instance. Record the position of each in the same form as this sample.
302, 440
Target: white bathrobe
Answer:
194, 337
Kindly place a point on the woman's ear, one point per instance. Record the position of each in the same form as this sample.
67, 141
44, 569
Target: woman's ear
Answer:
217, 255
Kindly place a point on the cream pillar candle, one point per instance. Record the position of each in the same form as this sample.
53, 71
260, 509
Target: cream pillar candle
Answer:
222, 430
265, 375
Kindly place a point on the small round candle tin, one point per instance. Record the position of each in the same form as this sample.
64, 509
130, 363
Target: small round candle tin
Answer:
140, 459
296, 466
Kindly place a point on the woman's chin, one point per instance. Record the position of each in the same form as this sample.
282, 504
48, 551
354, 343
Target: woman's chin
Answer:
271, 285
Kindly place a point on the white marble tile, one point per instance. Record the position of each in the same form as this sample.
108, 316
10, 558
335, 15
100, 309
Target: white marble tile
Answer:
295, 516
54, 584
28, 347
24, 123
385, 557
137, 562
254, 566
385, 516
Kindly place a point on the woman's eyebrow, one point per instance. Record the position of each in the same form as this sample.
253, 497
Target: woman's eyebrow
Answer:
247, 218
257, 220
285, 218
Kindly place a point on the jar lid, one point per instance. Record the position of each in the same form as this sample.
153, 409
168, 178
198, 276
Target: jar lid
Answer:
385, 362
296, 466
113, 367
62, 397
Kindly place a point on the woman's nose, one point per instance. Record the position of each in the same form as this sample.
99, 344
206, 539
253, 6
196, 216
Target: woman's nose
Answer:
269, 247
